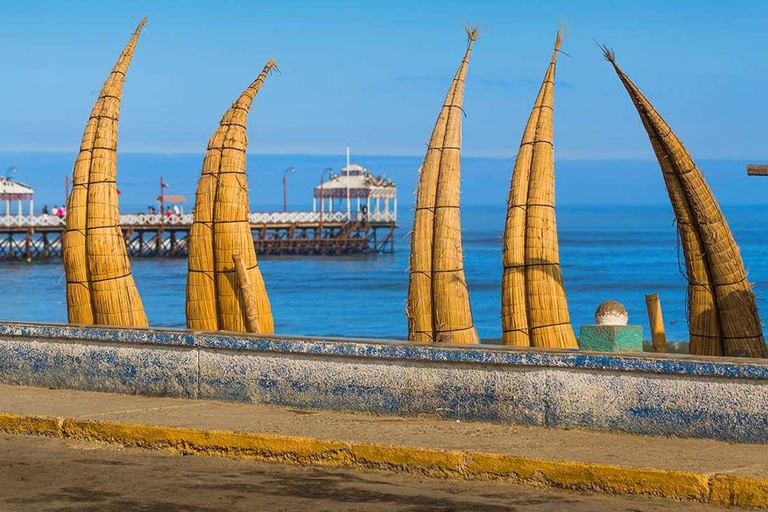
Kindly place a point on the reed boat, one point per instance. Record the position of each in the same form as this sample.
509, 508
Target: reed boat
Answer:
225, 288
438, 308
722, 313
100, 287
534, 306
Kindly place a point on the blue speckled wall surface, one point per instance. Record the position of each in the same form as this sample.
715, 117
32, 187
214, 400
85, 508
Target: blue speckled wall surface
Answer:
398, 350
720, 398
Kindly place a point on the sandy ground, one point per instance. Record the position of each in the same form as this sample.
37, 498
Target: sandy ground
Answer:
47, 474
695, 455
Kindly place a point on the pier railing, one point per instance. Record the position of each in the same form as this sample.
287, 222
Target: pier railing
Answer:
31, 237
185, 219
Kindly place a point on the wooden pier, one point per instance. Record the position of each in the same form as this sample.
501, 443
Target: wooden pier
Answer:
160, 236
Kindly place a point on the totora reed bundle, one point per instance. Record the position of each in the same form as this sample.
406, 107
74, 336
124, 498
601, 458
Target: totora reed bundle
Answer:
438, 307
221, 231
419, 306
534, 305
100, 287
722, 314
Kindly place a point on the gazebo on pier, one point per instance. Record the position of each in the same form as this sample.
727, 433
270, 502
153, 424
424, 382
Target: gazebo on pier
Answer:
15, 191
374, 195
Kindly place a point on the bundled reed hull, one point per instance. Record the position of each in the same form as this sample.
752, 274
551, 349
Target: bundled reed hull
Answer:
438, 306
201, 305
222, 197
705, 337
534, 305
100, 288
419, 306
723, 316
79, 306
452, 313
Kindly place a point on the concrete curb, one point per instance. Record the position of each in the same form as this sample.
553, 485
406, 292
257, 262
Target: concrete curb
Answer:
648, 394
719, 489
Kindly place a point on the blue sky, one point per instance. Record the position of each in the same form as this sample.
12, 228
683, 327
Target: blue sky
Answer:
373, 74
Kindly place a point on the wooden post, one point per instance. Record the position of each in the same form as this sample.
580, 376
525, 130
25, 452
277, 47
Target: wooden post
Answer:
246, 294
656, 321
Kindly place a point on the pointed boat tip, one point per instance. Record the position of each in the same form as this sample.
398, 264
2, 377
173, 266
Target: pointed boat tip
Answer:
559, 37
271, 65
608, 53
472, 32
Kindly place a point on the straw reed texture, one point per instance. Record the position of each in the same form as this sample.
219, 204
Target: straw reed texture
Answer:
452, 313
656, 322
438, 306
214, 298
100, 288
250, 309
438, 302
419, 307
723, 316
201, 305
534, 305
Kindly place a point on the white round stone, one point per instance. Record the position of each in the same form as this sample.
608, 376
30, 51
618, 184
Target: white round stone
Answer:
611, 312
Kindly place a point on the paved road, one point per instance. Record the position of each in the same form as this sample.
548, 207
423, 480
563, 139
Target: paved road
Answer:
44, 474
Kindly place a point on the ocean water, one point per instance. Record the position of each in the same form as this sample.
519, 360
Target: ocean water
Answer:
610, 249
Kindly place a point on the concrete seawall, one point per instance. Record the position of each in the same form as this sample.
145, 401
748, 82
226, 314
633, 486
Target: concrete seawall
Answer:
684, 396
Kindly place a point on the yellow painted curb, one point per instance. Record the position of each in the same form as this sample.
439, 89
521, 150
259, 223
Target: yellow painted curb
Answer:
680, 485
25, 424
738, 491
591, 476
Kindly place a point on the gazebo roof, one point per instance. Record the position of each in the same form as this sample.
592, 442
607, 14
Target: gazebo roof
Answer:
359, 180
14, 190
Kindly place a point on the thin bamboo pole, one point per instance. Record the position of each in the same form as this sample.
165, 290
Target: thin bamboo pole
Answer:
100, 288
452, 313
534, 305
723, 316
250, 309
231, 227
656, 322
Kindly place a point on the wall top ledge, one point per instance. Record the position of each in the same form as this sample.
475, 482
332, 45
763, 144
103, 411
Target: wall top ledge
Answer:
394, 350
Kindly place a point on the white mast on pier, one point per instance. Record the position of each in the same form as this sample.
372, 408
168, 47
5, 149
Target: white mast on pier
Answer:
349, 202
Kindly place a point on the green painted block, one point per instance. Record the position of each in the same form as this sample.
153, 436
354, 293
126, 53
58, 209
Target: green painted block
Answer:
611, 338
